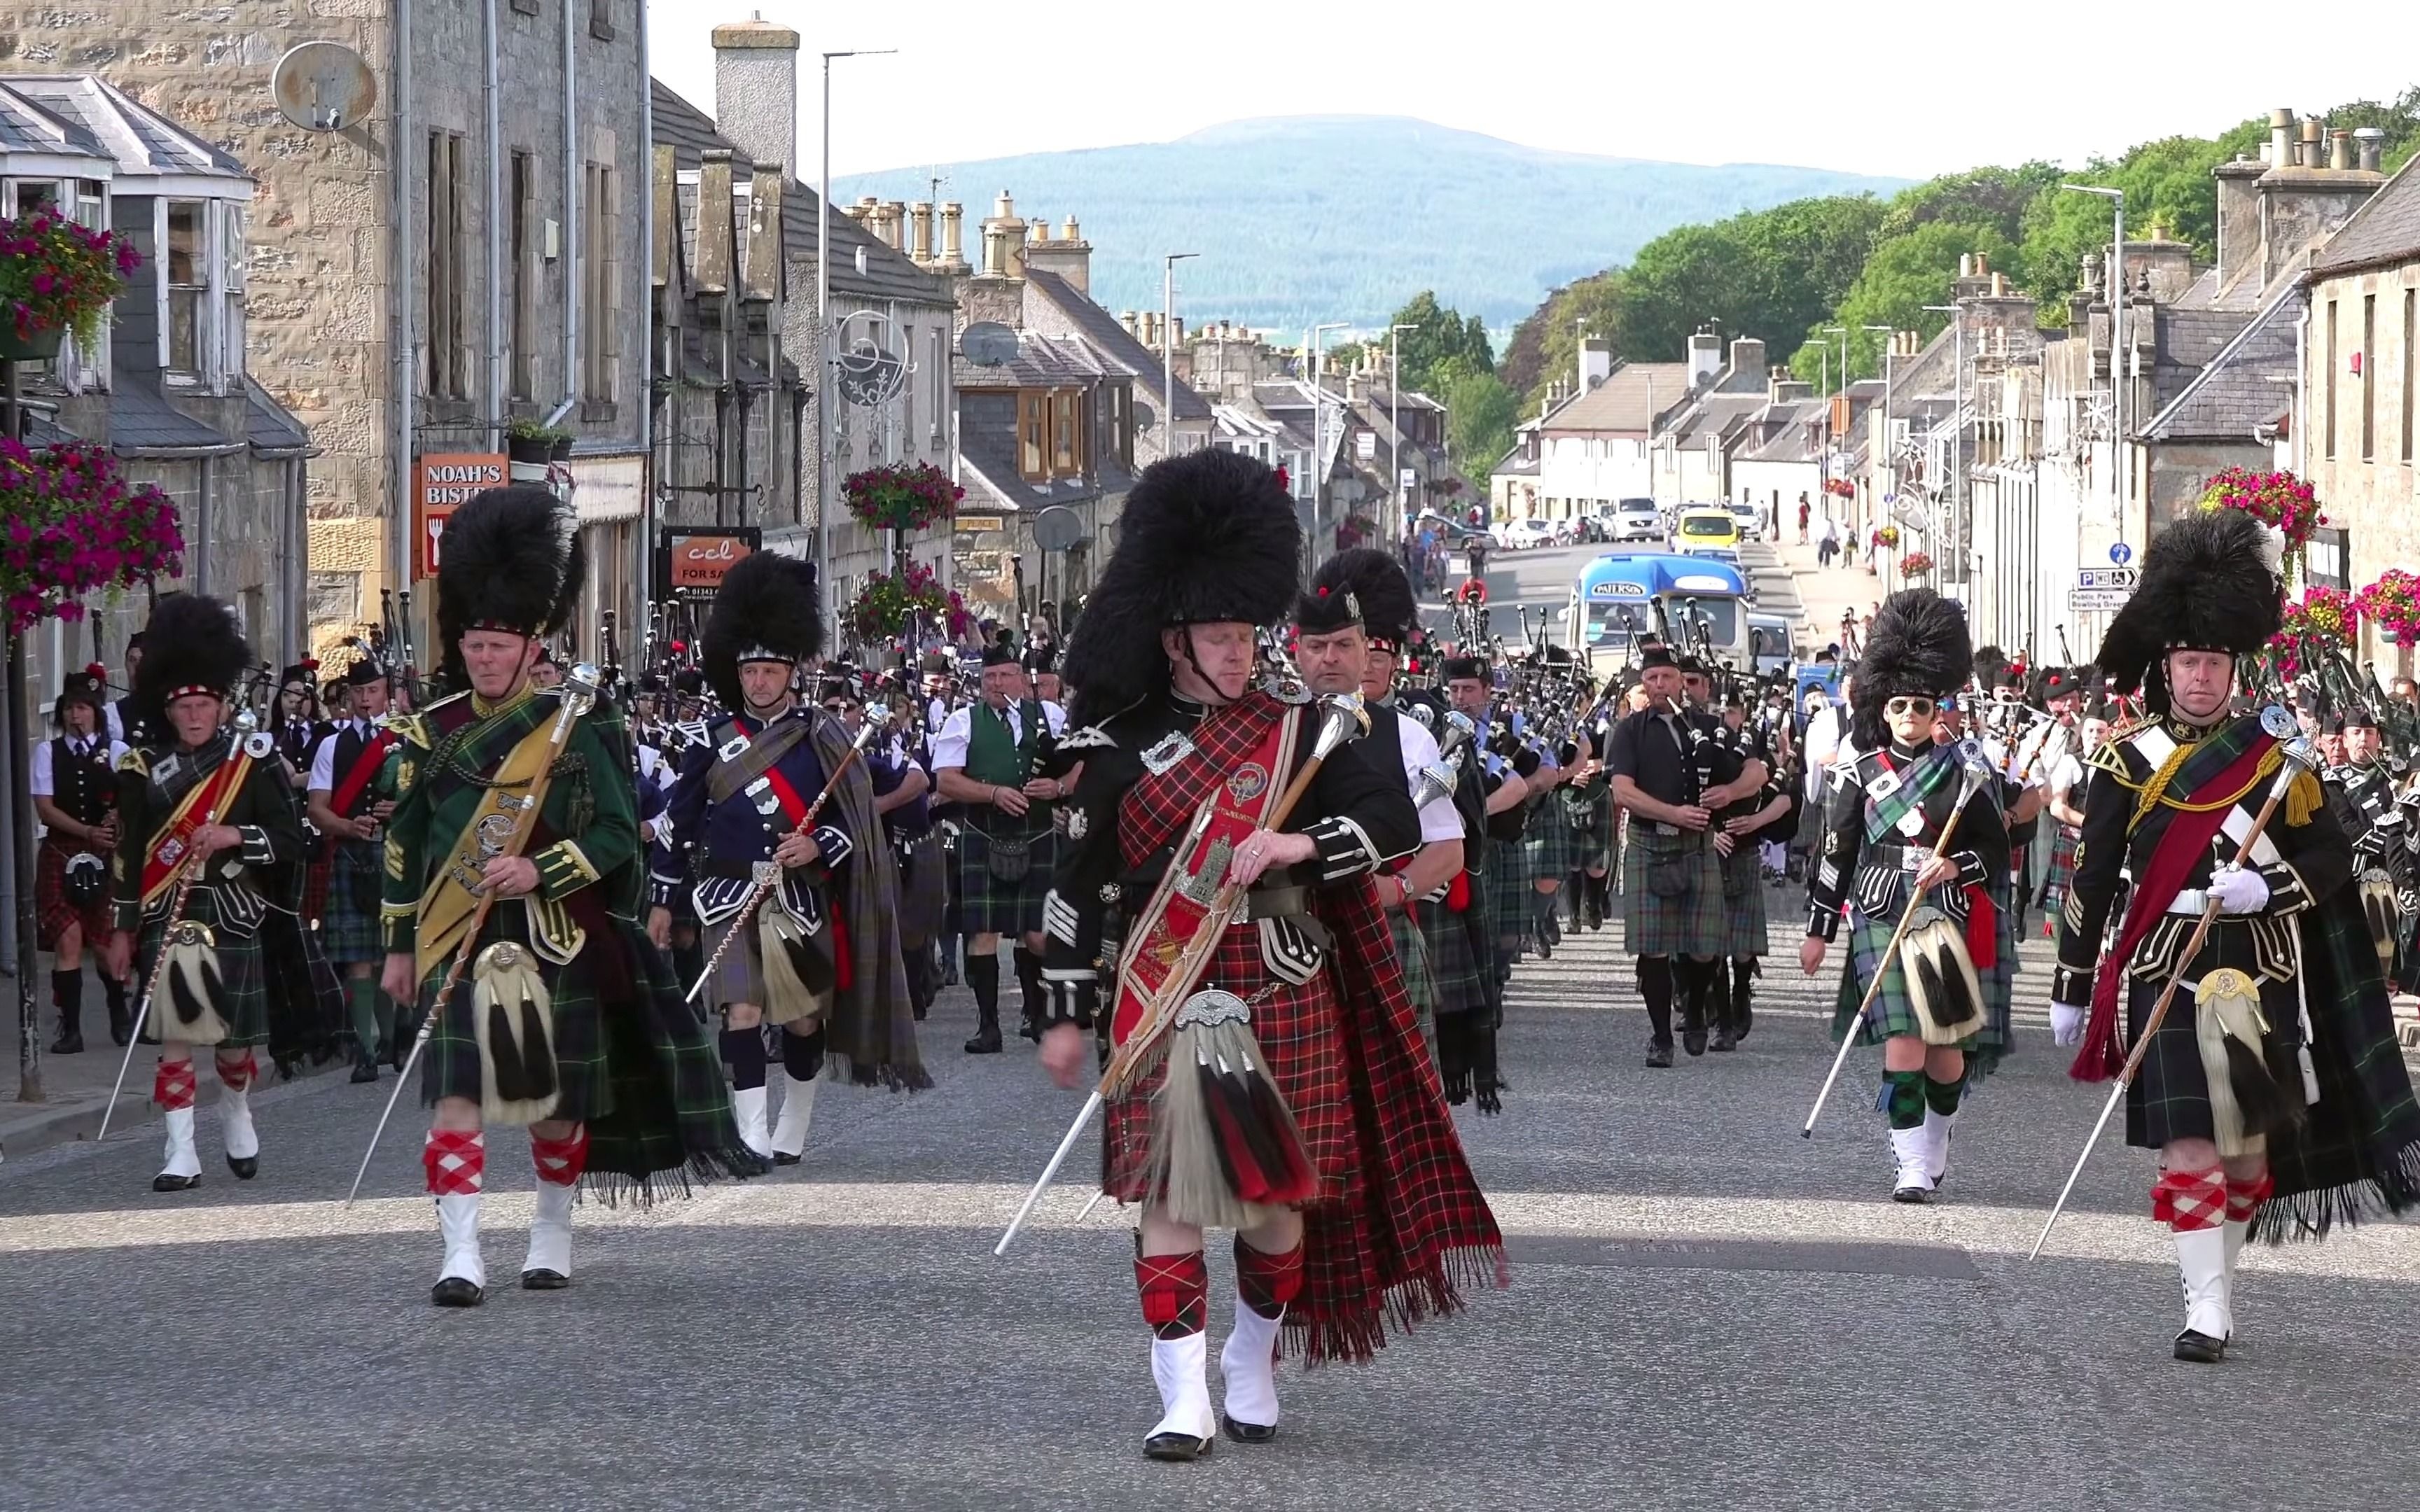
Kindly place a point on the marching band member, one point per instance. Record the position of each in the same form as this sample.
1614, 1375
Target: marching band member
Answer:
73, 778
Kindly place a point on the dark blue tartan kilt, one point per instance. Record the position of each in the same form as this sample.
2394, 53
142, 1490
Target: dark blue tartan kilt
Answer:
1748, 930
1512, 903
1412, 955
1548, 844
349, 922
987, 905
243, 985
1457, 978
1693, 921
451, 1061
1894, 1012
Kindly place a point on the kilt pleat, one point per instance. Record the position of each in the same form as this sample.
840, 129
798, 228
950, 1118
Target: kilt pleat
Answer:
1693, 921
451, 1060
1512, 903
53, 912
1457, 977
1748, 930
1549, 845
349, 920
243, 995
1412, 958
986, 904
1300, 1036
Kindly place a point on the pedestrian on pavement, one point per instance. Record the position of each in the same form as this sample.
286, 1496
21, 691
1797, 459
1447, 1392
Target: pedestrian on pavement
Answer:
1831, 544
1804, 511
2258, 1087
74, 783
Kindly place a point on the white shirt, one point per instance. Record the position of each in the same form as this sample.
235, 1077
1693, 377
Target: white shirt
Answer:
38, 774
1440, 818
950, 743
323, 755
1827, 744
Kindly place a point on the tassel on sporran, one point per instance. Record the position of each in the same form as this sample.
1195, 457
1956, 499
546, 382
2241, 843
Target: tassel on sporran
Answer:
798, 974
513, 1021
194, 986
1941, 985
2379, 908
1228, 1153
2248, 1103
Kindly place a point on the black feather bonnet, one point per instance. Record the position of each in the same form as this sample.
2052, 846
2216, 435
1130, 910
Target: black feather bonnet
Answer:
190, 644
510, 560
1919, 647
2209, 583
765, 610
1207, 537
1365, 586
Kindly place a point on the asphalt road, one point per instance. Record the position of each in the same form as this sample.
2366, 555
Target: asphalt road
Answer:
1705, 1311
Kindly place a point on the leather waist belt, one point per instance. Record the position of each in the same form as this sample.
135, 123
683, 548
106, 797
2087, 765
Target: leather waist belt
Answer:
2190, 901
727, 871
1276, 903
1906, 857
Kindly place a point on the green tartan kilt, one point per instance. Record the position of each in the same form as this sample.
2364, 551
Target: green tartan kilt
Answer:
1549, 845
1748, 931
1894, 1012
2170, 1098
1693, 921
987, 905
349, 926
1457, 978
1411, 953
1511, 900
450, 1064
243, 987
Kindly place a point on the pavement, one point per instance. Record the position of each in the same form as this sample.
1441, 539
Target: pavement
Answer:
1705, 1311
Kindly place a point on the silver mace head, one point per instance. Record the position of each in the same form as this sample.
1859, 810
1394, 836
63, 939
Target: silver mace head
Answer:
582, 684
1435, 781
865, 736
1975, 763
1457, 733
1342, 718
246, 722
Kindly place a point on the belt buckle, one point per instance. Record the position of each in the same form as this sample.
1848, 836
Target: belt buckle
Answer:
1912, 859
1668, 830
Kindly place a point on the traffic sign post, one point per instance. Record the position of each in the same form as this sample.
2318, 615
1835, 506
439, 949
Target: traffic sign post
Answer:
2107, 580
2121, 553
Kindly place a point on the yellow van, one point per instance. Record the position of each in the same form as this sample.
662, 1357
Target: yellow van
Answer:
1709, 527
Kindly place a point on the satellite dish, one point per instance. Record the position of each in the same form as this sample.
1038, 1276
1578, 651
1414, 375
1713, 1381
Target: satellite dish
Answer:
1144, 419
989, 344
323, 86
1057, 528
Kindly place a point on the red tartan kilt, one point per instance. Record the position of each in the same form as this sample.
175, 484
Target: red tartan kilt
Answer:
315, 887
1299, 1035
53, 913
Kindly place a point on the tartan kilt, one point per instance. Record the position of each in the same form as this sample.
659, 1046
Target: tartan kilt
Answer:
1748, 930
1695, 921
315, 881
244, 996
1895, 1012
53, 913
1411, 957
1512, 904
2062, 868
1549, 846
1457, 979
348, 918
1300, 1035
2170, 1098
987, 905
740, 976
450, 1063
924, 891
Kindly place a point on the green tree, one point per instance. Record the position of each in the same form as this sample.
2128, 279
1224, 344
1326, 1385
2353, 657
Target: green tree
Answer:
1480, 412
1442, 334
1904, 274
1547, 345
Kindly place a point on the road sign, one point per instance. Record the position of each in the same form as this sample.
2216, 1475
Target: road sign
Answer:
2121, 579
2097, 600
2121, 553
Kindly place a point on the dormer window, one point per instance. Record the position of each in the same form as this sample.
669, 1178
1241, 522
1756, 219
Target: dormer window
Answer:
201, 289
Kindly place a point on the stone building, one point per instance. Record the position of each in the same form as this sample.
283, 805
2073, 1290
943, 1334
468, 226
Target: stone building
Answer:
400, 314
164, 387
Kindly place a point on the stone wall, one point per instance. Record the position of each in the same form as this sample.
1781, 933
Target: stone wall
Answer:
2375, 500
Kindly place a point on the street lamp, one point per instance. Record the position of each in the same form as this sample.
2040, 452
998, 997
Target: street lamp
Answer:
1955, 518
2116, 281
1395, 416
1890, 455
1317, 468
1168, 349
824, 347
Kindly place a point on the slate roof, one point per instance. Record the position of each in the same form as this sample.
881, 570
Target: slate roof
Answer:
142, 419
266, 423
888, 273
1102, 331
142, 142
2234, 391
2386, 229
2189, 341
1628, 401
1041, 361
28, 124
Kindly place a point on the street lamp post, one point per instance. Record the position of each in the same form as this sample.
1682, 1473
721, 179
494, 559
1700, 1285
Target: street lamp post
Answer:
824, 347
2116, 283
1318, 468
1890, 453
1395, 419
1955, 523
1168, 349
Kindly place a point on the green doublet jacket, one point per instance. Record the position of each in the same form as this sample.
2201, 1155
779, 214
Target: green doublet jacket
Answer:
585, 839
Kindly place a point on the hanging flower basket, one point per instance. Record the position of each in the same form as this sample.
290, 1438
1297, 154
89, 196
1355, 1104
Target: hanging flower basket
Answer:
75, 525
1914, 564
1887, 535
1840, 487
888, 601
2280, 501
56, 276
2393, 604
2321, 622
900, 495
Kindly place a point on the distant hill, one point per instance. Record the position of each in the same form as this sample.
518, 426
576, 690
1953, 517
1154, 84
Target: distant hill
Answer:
1304, 219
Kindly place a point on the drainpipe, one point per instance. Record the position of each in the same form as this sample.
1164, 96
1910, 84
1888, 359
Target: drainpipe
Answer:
496, 375
644, 263
405, 373
573, 187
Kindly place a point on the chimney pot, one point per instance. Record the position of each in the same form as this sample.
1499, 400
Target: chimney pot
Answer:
1070, 233
919, 232
2369, 143
2340, 150
2281, 138
953, 246
2312, 143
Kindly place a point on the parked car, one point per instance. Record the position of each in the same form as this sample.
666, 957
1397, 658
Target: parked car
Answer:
1520, 534
1452, 531
1750, 519
1705, 528
1633, 520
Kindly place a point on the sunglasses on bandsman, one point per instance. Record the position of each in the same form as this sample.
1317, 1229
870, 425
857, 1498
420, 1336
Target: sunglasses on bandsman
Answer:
1910, 705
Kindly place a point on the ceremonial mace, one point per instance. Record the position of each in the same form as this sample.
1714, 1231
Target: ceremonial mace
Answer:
2299, 757
1346, 720
579, 693
766, 874
1974, 769
190, 873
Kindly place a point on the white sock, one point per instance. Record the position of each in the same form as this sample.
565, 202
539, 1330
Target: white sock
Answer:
748, 1106
457, 1220
550, 1238
180, 1157
235, 1122
798, 1111
1181, 1369
1250, 1363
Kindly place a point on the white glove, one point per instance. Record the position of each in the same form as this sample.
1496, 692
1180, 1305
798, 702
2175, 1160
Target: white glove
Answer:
2067, 1023
2239, 892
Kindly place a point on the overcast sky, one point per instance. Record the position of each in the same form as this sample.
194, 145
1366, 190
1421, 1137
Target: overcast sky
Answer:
1887, 87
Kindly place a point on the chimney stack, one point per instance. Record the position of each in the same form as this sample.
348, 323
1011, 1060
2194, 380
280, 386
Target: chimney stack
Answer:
1068, 255
1705, 358
2369, 144
756, 90
1003, 241
920, 233
953, 253
1127, 320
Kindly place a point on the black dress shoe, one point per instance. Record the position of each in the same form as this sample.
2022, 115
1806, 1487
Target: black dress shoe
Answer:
1243, 1432
68, 1044
245, 1167
364, 1071
1659, 1056
1180, 1449
455, 1291
986, 1043
1694, 1041
2200, 1347
1912, 1194
165, 1183
543, 1279
781, 1159
1723, 1040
